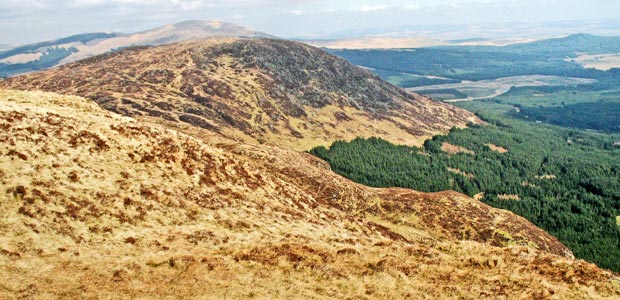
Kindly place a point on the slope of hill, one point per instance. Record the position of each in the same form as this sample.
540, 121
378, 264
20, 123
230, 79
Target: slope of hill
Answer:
52, 53
97, 205
258, 90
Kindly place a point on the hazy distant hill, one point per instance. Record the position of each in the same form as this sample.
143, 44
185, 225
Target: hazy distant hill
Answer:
376, 43
5, 47
413, 41
48, 54
491, 31
572, 45
45, 54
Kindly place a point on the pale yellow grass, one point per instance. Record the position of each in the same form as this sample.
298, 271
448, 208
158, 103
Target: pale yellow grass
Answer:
529, 184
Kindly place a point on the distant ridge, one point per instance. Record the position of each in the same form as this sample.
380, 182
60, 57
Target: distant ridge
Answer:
470, 40
376, 43
53, 53
575, 43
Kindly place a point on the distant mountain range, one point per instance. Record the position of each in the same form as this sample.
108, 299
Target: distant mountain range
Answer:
49, 54
4, 47
492, 34
376, 43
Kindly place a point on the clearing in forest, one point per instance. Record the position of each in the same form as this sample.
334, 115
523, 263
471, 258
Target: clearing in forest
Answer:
454, 149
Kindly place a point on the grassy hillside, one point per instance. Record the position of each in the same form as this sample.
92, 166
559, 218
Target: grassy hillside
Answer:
95, 205
52, 53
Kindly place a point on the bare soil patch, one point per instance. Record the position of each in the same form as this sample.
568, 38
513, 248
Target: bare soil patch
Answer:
497, 148
546, 176
458, 171
508, 197
453, 149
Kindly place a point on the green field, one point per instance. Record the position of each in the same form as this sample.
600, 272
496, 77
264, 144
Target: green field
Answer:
484, 89
550, 97
592, 106
407, 80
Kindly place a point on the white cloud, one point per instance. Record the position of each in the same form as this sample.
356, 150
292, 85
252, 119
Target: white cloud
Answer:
369, 8
20, 4
191, 5
412, 6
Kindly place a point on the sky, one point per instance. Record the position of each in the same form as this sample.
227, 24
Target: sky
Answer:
26, 21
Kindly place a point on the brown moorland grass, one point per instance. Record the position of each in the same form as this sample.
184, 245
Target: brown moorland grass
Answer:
94, 205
